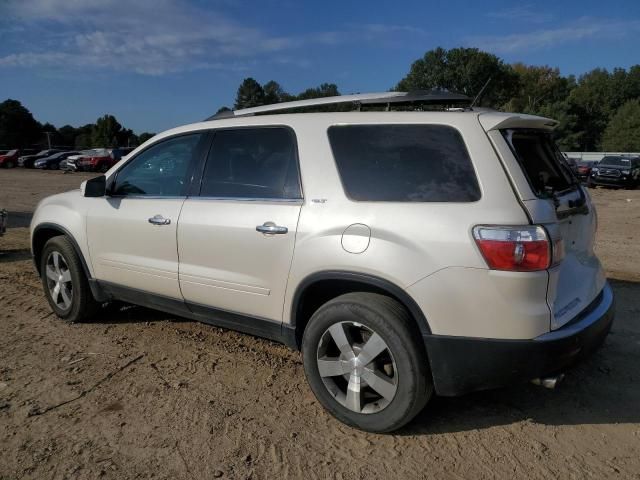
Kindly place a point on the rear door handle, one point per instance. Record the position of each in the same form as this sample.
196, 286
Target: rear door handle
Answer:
271, 228
159, 220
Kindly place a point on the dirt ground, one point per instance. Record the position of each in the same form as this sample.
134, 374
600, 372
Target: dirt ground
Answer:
153, 396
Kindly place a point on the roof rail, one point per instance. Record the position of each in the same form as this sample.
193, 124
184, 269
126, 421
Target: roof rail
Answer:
381, 98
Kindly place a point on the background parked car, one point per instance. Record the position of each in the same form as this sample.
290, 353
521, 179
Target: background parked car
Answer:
616, 171
100, 160
584, 169
53, 161
27, 161
9, 159
70, 163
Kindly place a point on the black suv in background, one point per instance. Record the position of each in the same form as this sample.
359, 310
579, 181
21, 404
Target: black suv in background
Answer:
616, 171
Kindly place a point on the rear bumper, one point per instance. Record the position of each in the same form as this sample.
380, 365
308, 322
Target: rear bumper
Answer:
461, 364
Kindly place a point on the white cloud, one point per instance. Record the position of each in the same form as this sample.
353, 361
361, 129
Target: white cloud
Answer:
524, 13
580, 30
156, 37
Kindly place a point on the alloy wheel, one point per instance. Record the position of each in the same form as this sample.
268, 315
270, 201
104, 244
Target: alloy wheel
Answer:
59, 280
357, 367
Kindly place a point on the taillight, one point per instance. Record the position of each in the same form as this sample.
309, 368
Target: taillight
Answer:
518, 249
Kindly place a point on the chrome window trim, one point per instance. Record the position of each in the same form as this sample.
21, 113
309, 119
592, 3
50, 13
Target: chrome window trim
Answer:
297, 201
149, 197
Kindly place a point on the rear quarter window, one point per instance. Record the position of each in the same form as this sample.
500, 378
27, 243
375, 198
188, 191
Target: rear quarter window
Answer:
403, 163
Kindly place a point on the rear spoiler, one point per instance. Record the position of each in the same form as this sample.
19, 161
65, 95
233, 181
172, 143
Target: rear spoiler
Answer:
499, 121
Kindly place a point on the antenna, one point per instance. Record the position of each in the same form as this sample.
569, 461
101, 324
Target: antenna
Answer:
473, 104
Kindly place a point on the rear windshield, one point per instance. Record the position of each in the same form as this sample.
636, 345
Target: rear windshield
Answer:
543, 164
622, 162
403, 163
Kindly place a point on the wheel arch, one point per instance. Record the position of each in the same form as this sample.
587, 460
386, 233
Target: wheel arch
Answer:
43, 232
320, 287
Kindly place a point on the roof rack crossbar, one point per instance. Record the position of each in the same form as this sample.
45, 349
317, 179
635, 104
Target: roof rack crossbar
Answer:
381, 98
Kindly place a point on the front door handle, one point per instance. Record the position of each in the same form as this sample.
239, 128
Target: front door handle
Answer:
159, 220
271, 228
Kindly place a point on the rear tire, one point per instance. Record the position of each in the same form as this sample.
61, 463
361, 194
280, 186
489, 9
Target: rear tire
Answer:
590, 184
65, 284
379, 378
9, 164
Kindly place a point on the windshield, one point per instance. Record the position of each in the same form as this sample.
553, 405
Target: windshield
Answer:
622, 162
545, 167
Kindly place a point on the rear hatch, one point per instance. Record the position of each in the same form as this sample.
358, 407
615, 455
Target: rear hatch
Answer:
553, 197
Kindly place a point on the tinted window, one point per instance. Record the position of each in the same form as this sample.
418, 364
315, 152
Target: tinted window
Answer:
252, 163
161, 170
404, 163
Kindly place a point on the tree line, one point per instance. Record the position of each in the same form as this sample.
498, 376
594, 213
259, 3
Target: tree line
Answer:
599, 110
19, 129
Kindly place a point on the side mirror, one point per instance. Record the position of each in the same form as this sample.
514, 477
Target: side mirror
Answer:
96, 187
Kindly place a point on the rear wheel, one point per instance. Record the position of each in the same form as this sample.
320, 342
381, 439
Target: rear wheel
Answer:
104, 168
365, 362
65, 284
9, 164
590, 183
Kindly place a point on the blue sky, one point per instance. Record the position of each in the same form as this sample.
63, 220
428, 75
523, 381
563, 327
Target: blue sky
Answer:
155, 64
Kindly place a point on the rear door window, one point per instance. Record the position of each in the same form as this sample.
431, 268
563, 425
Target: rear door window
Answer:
252, 163
404, 163
543, 164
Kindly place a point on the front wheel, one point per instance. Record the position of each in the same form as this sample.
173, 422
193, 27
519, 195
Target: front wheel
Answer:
65, 284
365, 362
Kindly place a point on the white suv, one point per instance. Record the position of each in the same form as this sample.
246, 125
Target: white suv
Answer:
404, 252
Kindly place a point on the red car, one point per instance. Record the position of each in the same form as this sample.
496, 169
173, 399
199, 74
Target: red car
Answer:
99, 160
584, 169
10, 158
102, 159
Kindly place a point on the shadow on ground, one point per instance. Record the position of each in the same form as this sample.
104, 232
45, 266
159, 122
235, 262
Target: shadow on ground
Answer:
19, 219
603, 389
15, 255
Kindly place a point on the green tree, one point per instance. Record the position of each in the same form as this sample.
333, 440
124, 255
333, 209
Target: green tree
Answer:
18, 128
274, 93
537, 87
623, 131
143, 137
83, 136
463, 70
67, 135
250, 94
324, 90
106, 132
591, 102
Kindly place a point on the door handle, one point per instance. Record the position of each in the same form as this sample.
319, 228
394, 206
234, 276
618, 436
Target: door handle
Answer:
271, 228
159, 220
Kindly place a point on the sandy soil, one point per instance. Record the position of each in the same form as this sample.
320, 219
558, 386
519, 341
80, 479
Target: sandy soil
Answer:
153, 396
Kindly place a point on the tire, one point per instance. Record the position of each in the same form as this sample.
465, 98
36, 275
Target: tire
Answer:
74, 301
54, 166
104, 168
9, 164
590, 184
359, 318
